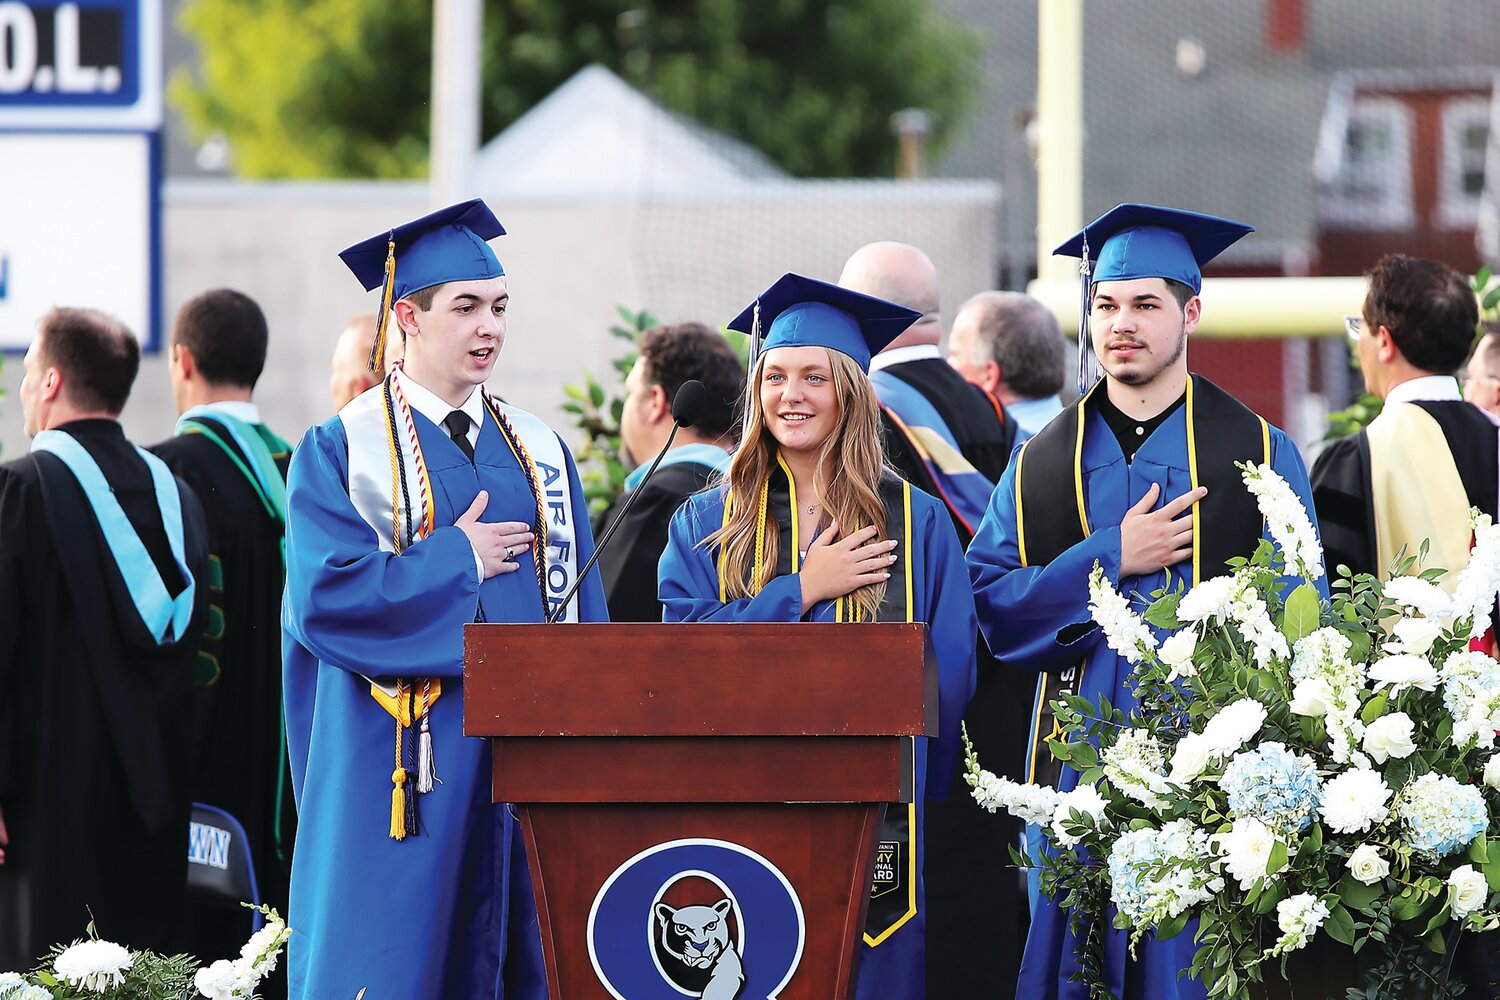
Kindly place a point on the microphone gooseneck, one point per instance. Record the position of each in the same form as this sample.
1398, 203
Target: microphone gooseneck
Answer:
687, 406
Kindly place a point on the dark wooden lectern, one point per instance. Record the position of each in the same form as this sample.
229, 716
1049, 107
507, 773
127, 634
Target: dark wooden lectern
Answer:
633, 750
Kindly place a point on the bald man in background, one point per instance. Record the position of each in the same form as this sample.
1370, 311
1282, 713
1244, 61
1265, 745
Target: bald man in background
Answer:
350, 366
954, 439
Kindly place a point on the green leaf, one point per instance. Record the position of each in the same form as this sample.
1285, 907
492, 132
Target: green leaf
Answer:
1172, 927
1302, 615
1374, 708
1061, 749
1084, 756
1163, 612
1278, 859
1356, 894
1274, 893
1340, 925
1492, 871
1479, 851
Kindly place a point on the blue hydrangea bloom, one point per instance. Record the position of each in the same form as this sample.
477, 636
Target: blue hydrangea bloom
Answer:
1275, 786
1440, 815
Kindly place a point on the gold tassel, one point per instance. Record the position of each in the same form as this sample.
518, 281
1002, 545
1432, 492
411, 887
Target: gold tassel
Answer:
377, 349
398, 804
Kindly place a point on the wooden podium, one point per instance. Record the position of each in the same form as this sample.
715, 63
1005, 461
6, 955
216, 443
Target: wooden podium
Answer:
684, 787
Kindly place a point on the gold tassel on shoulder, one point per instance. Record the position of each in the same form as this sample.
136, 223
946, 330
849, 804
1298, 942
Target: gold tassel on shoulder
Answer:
377, 349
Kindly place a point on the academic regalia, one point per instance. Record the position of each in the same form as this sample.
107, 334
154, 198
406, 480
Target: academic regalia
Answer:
628, 565
1411, 475
1076, 487
940, 597
239, 756
405, 890
95, 714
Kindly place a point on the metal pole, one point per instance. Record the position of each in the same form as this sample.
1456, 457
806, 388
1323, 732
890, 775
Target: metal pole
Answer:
1059, 167
457, 32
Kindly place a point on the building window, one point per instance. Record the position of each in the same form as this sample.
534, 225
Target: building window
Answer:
1466, 138
1371, 189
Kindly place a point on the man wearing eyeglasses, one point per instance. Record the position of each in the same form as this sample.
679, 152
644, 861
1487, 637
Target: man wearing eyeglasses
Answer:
1481, 377
1415, 471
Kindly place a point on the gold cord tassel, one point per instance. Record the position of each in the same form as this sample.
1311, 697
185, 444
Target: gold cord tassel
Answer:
398, 786
377, 349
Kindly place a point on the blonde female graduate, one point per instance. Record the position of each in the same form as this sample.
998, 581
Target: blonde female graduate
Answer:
811, 525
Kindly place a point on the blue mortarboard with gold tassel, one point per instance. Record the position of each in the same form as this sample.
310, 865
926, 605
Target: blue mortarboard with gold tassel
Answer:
1143, 241
450, 244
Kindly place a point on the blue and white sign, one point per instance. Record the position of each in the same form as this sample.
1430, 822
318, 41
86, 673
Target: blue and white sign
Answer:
706, 919
80, 64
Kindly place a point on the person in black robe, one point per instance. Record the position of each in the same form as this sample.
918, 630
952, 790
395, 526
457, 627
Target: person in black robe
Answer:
1415, 471
925, 403
237, 466
670, 356
95, 678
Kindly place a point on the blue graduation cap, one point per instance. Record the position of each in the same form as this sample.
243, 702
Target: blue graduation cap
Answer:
806, 312
1143, 241
447, 245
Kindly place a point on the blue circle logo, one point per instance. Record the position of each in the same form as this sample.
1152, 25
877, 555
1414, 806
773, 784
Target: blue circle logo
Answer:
696, 918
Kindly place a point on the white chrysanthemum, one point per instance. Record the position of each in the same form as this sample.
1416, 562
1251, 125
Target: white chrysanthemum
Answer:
1287, 520
1208, 601
1402, 671
1366, 865
1227, 731
1135, 764
93, 965
1355, 801
1422, 596
1084, 799
1190, 758
1390, 736
1246, 850
1177, 653
1124, 630
1467, 891
1029, 803
1414, 636
1299, 918
1479, 582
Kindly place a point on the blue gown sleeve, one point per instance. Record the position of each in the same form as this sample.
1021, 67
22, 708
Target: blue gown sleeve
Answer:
1286, 460
1023, 609
688, 581
356, 606
591, 603
951, 625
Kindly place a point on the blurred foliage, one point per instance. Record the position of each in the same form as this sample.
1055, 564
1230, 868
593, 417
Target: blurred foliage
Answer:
1356, 416
339, 88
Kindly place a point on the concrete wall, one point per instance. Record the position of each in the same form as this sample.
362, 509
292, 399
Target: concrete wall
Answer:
570, 264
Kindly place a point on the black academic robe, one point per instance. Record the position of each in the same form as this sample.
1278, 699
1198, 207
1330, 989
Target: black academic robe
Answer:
1342, 494
95, 718
628, 565
966, 846
239, 752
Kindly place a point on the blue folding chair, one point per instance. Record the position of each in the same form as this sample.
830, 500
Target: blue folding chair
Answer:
220, 869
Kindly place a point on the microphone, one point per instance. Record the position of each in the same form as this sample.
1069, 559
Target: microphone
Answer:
687, 407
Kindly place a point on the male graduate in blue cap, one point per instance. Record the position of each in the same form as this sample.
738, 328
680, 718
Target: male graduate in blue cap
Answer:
1139, 476
423, 505
811, 525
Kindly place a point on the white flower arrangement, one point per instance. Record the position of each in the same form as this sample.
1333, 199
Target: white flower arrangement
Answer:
1294, 769
94, 966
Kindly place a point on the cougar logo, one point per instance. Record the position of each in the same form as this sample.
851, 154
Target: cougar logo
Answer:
698, 937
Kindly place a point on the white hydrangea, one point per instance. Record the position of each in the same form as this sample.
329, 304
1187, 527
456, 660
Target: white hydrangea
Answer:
1422, 596
1299, 918
1084, 799
1135, 765
1471, 693
1478, 583
1467, 891
1390, 736
1327, 683
1355, 801
1124, 630
1366, 865
1155, 875
1287, 519
1402, 671
93, 965
1246, 849
1030, 803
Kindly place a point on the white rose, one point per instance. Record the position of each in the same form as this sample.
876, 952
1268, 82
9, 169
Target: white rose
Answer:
1311, 697
1367, 866
1235, 723
1190, 758
1246, 850
1467, 891
1403, 671
1177, 653
1084, 799
1390, 736
1415, 635
1492, 771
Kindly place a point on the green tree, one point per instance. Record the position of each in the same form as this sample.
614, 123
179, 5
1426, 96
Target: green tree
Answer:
330, 88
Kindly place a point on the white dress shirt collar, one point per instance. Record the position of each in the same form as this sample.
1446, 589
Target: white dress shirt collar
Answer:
435, 408
239, 409
901, 355
1428, 387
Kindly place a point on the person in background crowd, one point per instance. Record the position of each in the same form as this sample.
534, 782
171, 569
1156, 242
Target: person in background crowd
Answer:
1008, 344
1482, 376
350, 373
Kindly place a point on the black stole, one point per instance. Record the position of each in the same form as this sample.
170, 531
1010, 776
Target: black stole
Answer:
1052, 516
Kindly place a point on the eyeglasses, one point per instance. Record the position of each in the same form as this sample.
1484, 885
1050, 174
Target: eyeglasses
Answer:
1354, 327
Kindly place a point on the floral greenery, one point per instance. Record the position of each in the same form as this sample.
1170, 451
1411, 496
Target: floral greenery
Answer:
1293, 769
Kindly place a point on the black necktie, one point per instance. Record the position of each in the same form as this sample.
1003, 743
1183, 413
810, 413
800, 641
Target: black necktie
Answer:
457, 423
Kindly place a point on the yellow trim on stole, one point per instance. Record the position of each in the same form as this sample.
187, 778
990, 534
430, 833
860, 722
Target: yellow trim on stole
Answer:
1020, 517
1192, 445
1417, 492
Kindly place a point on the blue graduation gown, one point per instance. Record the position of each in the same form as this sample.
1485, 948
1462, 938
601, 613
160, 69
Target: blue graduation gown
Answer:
1023, 610
689, 591
435, 914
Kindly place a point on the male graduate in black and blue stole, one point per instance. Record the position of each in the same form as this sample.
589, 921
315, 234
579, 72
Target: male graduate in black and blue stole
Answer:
102, 561
1138, 476
425, 504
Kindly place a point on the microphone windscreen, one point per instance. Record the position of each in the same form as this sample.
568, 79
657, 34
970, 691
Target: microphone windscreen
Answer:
687, 405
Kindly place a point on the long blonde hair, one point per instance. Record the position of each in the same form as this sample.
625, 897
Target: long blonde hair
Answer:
855, 455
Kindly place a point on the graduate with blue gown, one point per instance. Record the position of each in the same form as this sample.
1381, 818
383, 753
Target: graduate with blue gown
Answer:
1137, 476
811, 525
425, 504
